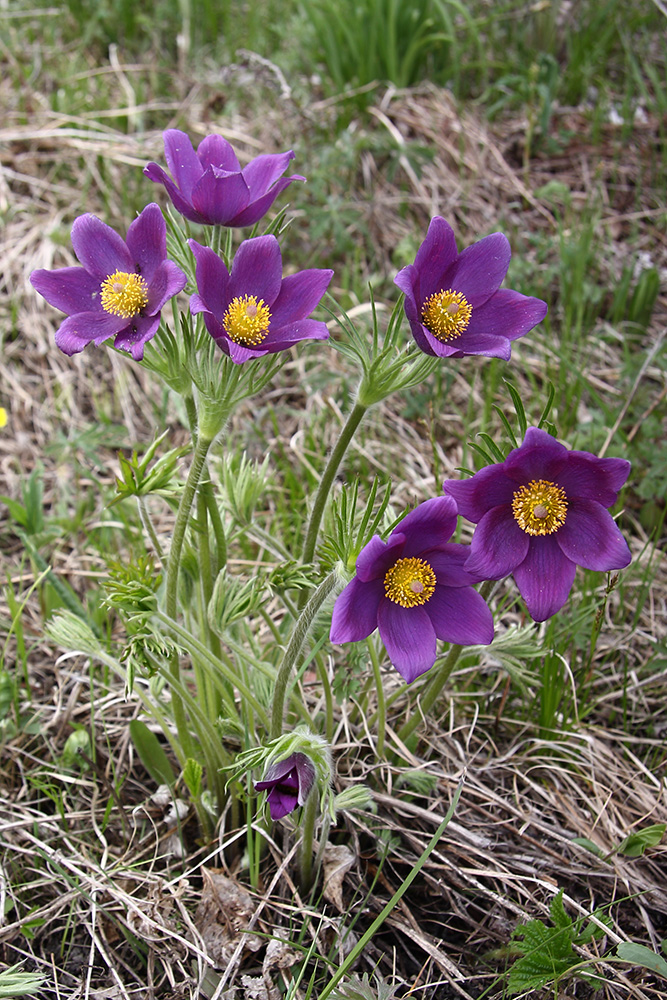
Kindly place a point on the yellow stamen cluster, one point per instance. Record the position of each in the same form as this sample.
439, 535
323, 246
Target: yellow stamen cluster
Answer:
446, 314
540, 507
124, 294
409, 582
246, 321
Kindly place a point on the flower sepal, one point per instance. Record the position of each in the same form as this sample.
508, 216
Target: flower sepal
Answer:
386, 364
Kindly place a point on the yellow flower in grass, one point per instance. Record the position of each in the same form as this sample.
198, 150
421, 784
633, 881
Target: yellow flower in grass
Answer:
3, 417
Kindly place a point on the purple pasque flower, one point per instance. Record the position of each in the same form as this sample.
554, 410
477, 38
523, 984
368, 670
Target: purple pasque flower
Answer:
453, 301
414, 589
209, 186
539, 515
288, 783
121, 287
254, 310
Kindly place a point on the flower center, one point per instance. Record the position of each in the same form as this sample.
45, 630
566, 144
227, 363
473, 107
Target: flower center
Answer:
446, 314
246, 321
540, 507
409, 582
124, 294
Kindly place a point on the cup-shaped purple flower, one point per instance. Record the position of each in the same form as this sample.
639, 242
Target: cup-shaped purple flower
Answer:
414, 589
540, 514
121, 287
454, 303
288, 783
253, 310
209, 186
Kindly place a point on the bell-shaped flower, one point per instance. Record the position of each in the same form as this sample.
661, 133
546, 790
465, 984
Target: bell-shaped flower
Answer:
209, 186
414, 589
253, 310
540, 514
121, 287
288, 783
454, 303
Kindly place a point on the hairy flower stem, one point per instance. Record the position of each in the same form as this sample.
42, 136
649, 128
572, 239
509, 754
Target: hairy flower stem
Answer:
327, 479
149, 527
173, 566
379, 690
211, 695
301, 630
306, 845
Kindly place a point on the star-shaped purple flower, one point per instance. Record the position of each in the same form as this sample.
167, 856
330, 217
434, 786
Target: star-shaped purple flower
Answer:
210, 186
288, 783
254, 310
121, 287
414, 589
540, 514
453, 300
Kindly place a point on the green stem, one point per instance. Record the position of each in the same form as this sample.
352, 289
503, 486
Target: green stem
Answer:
191, 410
216, 524
379, 690
149, 527
306, 845
327, 479
301, 629
173, 566
211, 698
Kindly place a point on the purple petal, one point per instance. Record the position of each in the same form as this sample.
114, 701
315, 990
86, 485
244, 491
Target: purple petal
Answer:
507, 314
377, 556
283, 338
594, 478
429, 525
281, 802
355, 613
544, 578
134, 337
488, 488
408, 637
434, 259
70, 289
182, 161
590, 537
539, 457
480, 269
212, 279
262, 172
216, 330
155, 173
257, 270
256, 209
240, 354
168, 280
498, 545
284, 771
99, 248
460, 615
215, 151
299, 295
218, 196
85, 327
147, 241
447, 563
480, 344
